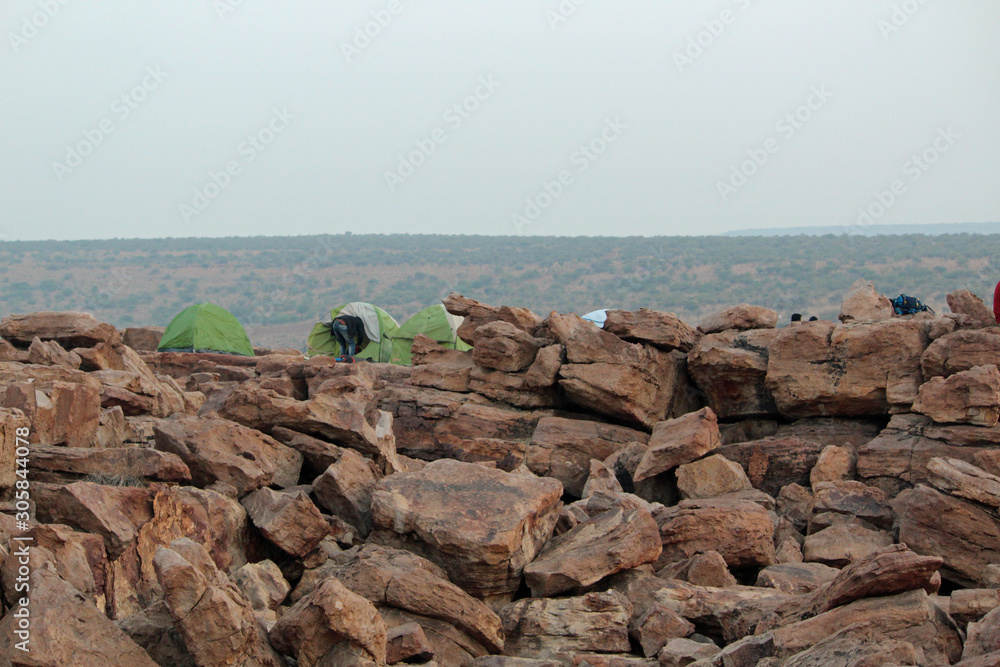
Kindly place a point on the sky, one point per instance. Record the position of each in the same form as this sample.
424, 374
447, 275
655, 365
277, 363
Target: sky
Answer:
154, 118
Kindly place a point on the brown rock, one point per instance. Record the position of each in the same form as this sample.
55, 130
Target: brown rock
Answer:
477, 314
703, 569
772, 463
447, 513
820, 369
840, 544
971, 397
740, 530
611, 542
959, 351
678, 441
216, 621
857, 645
51, 353
544, 371
63, 406
657, 626
553, 628
143, 339
154, 630
317, 454
504, 347
123, 464
833, 465
984, 636
447, 370
964, 302
345, 489
262, 584
854, 499
601, 479
968, 605
796, 578
221, 450
13, 425
79, 559
842, 432
863, 303
681, 652
934, 524
710, 477
563, 448
289, 520
730, 368
113, 429
69, 329
510, 388
407, 643
964, 480
741, 317
660, 329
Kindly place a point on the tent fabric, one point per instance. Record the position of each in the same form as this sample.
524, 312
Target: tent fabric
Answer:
434, 322
205, 327
598, 317
379, 328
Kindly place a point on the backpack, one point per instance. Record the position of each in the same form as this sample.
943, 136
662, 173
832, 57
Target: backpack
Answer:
908, 305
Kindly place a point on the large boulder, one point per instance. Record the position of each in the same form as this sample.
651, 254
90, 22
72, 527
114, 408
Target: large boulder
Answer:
863, 303
63, 405
960, 351
678, 441
968, 397
964, 303
503, 347
121, 464
447, 512
143, 339
742, 317
288, 520
710, 477
475, 314
557, 628
13, 425
69, 329
659, 329
345, 489
730, 368
818, 369
773, 463
963, 480
741, 530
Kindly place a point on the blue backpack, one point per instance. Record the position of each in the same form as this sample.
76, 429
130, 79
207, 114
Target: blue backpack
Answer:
908, 305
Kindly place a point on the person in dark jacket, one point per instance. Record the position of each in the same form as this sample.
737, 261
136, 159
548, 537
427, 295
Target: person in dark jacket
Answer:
347, 329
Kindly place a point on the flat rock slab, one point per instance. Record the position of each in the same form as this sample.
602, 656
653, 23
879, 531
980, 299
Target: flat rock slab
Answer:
740, 530
678, 441
554, 628
482, 526
741, 317
660, 329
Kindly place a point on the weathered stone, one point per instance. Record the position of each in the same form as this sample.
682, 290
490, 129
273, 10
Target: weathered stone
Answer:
345, 489
730, 368
678, 441
601, 479
702, 569
820, 369
222, 450
504, 347
69, 329
840, 544
842, 432
960, 351
964, 480
511, 388
964, 302
773, 463
544, 371
317, 454
660, 329
856, 645
13, 425
262, 584
51, 353
935, 524
216, 621
63, 405
970, 397
796, 578
441, 368
680, 652
984, 636
447, 513
741, 317
553, 628
476, 314
563, 448
656, 626
407, 643
113, 429
154, 630
290, 521
143, 339
863, 303
833, 465
122, 464
329, 615
854, 499
79, 559
611, 542
711, 476
740, 530
968, 605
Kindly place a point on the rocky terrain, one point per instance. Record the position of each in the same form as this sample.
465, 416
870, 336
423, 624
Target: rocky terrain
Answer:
736, 494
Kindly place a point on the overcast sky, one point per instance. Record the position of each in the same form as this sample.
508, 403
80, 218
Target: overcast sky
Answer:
147, 118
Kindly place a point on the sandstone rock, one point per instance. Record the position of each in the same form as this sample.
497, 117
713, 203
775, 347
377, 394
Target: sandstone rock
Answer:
681, 652
964, 480
143, 339
447, 513
741, 317
842, 432
935, 524
601, 479
317, 454
772, 463
857, 645
504, 347
563, 448
710, 477
113, 429
221, 450
511, 661
730, 368
553, 628
290, 521
329, 615
854, 499
447, 370
788, 551
740, 530
345, 489
154, 630
959, 351
703, 569
123, 464
964, 302
66, 629
967, 605
796, 578
611, 542
971, 397
12, 422
833, 465
477, 314
213, 617
407, 643
984, 636
511, 388
863, 303
51, 353
63, 406
262, 584
69, 329
663, 330
79, 559
678, 441
544, 371
654, 628
840, 544
820, 369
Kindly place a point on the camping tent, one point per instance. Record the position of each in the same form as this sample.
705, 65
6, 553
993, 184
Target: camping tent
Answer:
379, 329
597, 317
434, 322
205, 327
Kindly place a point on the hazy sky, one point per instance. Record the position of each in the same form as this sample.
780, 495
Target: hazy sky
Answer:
145, 118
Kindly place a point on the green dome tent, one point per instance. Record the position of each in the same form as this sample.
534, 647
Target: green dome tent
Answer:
205, 327
379, 329
434, 322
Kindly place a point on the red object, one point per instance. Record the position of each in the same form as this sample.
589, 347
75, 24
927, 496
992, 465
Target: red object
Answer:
996, 303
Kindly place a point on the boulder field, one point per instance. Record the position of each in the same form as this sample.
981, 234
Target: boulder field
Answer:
730, 494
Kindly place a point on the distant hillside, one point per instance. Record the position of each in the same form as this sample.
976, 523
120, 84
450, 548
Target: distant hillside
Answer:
279, 286
874, 230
